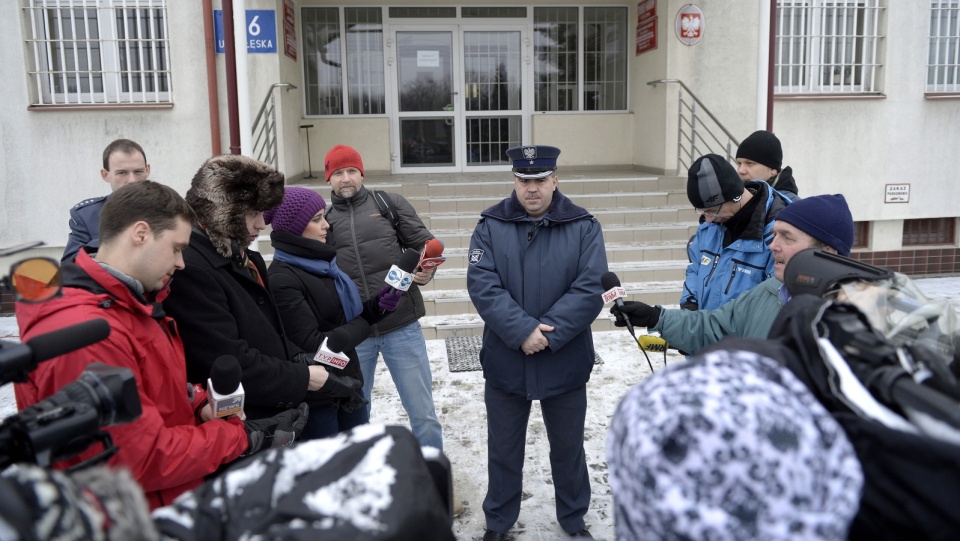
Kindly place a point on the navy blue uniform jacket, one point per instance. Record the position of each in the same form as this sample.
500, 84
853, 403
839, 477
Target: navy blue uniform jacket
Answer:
523, 272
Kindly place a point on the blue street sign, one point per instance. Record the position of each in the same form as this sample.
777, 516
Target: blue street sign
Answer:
261, 30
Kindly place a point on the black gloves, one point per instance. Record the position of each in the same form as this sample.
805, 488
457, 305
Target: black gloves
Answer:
640, 314
349, 390
691, 306
347, 336
278, 431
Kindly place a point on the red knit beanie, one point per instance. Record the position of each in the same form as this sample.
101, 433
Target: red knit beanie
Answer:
341, 156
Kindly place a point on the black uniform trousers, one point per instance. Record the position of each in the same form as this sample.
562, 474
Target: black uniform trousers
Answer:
507, 417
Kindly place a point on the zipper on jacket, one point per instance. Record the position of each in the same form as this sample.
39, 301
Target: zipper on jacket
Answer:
716, 261
733, 273
533, 230
356, 248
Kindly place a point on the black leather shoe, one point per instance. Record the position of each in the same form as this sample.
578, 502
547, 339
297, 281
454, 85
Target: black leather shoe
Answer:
491, 535
583, 534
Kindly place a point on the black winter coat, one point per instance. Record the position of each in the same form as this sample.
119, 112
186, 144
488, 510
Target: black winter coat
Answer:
222, 310
309, 304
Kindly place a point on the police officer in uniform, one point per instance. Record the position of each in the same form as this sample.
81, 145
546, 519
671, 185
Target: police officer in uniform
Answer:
123, 162
537, 288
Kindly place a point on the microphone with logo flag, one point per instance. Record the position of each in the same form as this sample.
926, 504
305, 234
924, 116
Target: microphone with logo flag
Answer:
224, 388
431, 256
400, 276
614, 292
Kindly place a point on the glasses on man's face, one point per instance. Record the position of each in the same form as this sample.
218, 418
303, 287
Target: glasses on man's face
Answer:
711, 212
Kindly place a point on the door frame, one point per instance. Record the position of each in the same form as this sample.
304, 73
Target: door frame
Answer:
459, 113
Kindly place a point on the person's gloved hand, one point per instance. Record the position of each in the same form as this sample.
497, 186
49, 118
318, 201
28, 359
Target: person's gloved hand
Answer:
343, 387
692, 306
348, 405
640, 314
280, 430
304, 358
388, 298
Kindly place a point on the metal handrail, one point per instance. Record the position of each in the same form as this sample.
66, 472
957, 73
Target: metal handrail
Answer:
265, 135
696, 129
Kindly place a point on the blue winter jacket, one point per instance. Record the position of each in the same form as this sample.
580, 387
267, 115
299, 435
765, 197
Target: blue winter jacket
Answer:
523, 272
716, 274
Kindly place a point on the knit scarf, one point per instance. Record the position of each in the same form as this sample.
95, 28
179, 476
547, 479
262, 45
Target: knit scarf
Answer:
346, 289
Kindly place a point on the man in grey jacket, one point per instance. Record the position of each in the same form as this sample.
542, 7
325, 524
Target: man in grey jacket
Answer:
823, 221
367, 245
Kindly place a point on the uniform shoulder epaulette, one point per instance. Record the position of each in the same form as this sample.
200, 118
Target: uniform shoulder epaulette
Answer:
87, 202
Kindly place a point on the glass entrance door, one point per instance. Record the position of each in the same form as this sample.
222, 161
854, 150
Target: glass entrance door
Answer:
458, 98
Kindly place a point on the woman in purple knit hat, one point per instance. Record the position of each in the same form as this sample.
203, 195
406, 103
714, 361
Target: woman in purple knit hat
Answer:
319, 304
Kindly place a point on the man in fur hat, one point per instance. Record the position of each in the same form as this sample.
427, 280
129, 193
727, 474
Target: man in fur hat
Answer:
221, 300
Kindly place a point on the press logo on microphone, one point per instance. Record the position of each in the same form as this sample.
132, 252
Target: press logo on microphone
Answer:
398, 279
614, 293
226, 405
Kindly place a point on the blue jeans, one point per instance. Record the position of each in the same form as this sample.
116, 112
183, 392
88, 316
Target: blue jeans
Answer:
329, 421
405, 354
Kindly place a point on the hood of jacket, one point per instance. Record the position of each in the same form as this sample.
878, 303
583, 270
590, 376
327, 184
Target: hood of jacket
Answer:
561, 210
224, 190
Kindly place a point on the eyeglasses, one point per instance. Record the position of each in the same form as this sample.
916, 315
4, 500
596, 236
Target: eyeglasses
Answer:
711, 212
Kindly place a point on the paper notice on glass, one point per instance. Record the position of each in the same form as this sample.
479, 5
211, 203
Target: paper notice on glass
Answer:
428, 59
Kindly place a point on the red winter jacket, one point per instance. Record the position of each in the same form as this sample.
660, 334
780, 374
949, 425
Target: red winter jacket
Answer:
166, 449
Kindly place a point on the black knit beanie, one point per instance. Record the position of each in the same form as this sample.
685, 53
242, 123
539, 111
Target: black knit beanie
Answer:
762, 147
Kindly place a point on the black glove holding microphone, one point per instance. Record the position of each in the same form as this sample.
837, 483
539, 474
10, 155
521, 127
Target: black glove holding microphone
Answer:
280, 430
640, 314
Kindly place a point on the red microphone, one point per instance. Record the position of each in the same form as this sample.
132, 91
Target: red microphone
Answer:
431, 256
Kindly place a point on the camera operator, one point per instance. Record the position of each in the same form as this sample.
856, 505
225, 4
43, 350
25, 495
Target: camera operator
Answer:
144, 228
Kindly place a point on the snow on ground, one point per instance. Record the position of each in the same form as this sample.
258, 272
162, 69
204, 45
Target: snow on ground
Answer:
459, 400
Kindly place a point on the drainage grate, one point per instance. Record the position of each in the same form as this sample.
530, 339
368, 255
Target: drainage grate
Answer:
463, 353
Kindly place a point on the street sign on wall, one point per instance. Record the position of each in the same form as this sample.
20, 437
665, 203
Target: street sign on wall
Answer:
261, 30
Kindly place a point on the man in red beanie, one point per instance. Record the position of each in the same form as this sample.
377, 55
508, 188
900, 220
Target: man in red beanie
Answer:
367, 246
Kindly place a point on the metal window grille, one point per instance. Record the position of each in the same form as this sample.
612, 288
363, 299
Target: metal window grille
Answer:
488, 139
861, 235
322, 66
929, 231
828, 46
83, 52
555, 69
605, 59
365, 79
943, 63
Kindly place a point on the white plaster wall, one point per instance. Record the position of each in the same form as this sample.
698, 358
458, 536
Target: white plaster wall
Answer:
369, 135
855, 147
885, 235
586, 139
50, 160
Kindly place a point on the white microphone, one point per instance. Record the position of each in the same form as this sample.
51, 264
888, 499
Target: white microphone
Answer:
400, 276
224, 388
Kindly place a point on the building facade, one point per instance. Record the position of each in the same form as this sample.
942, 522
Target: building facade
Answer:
865, 95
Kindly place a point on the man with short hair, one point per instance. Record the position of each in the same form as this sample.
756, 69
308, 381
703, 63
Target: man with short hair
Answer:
729, 253
175, 443
823, 221
535, 263
123, 162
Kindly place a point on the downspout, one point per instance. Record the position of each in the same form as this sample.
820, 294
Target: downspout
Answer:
764, 54
243, 81
771, 66
230, 55
213, 100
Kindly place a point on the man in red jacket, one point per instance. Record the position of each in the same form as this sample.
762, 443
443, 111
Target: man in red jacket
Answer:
144, 228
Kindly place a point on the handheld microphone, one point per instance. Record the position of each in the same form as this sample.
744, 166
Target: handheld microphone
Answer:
613, 292
400, 276
18, 360
224, 387
431, 256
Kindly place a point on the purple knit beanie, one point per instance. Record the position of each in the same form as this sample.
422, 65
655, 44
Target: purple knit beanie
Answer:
299, 206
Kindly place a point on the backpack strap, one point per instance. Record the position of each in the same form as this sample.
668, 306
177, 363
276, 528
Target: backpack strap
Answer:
387, 210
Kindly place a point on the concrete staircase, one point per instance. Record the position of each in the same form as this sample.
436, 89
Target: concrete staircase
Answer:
646, 220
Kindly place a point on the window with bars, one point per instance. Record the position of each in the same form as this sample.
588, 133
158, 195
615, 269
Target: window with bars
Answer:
827, 47
929, 231
861, 235
326, 54
558, 84
88, 52
943, 61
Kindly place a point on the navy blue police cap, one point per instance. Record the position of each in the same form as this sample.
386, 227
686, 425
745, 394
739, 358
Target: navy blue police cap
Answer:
533, 162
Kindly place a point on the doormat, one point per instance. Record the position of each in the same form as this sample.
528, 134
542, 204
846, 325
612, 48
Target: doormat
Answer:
463, 353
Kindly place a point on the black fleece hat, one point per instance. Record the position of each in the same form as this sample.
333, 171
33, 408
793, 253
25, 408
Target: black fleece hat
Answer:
762, 147
712, 181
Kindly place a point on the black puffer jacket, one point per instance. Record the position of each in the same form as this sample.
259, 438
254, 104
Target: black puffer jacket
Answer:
367, 245
309, 304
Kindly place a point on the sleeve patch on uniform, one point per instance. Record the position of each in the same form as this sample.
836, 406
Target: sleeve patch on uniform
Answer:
705, 260
475, 256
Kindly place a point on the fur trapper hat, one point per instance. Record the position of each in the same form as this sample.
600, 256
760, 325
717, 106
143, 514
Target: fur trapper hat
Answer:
224, 189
